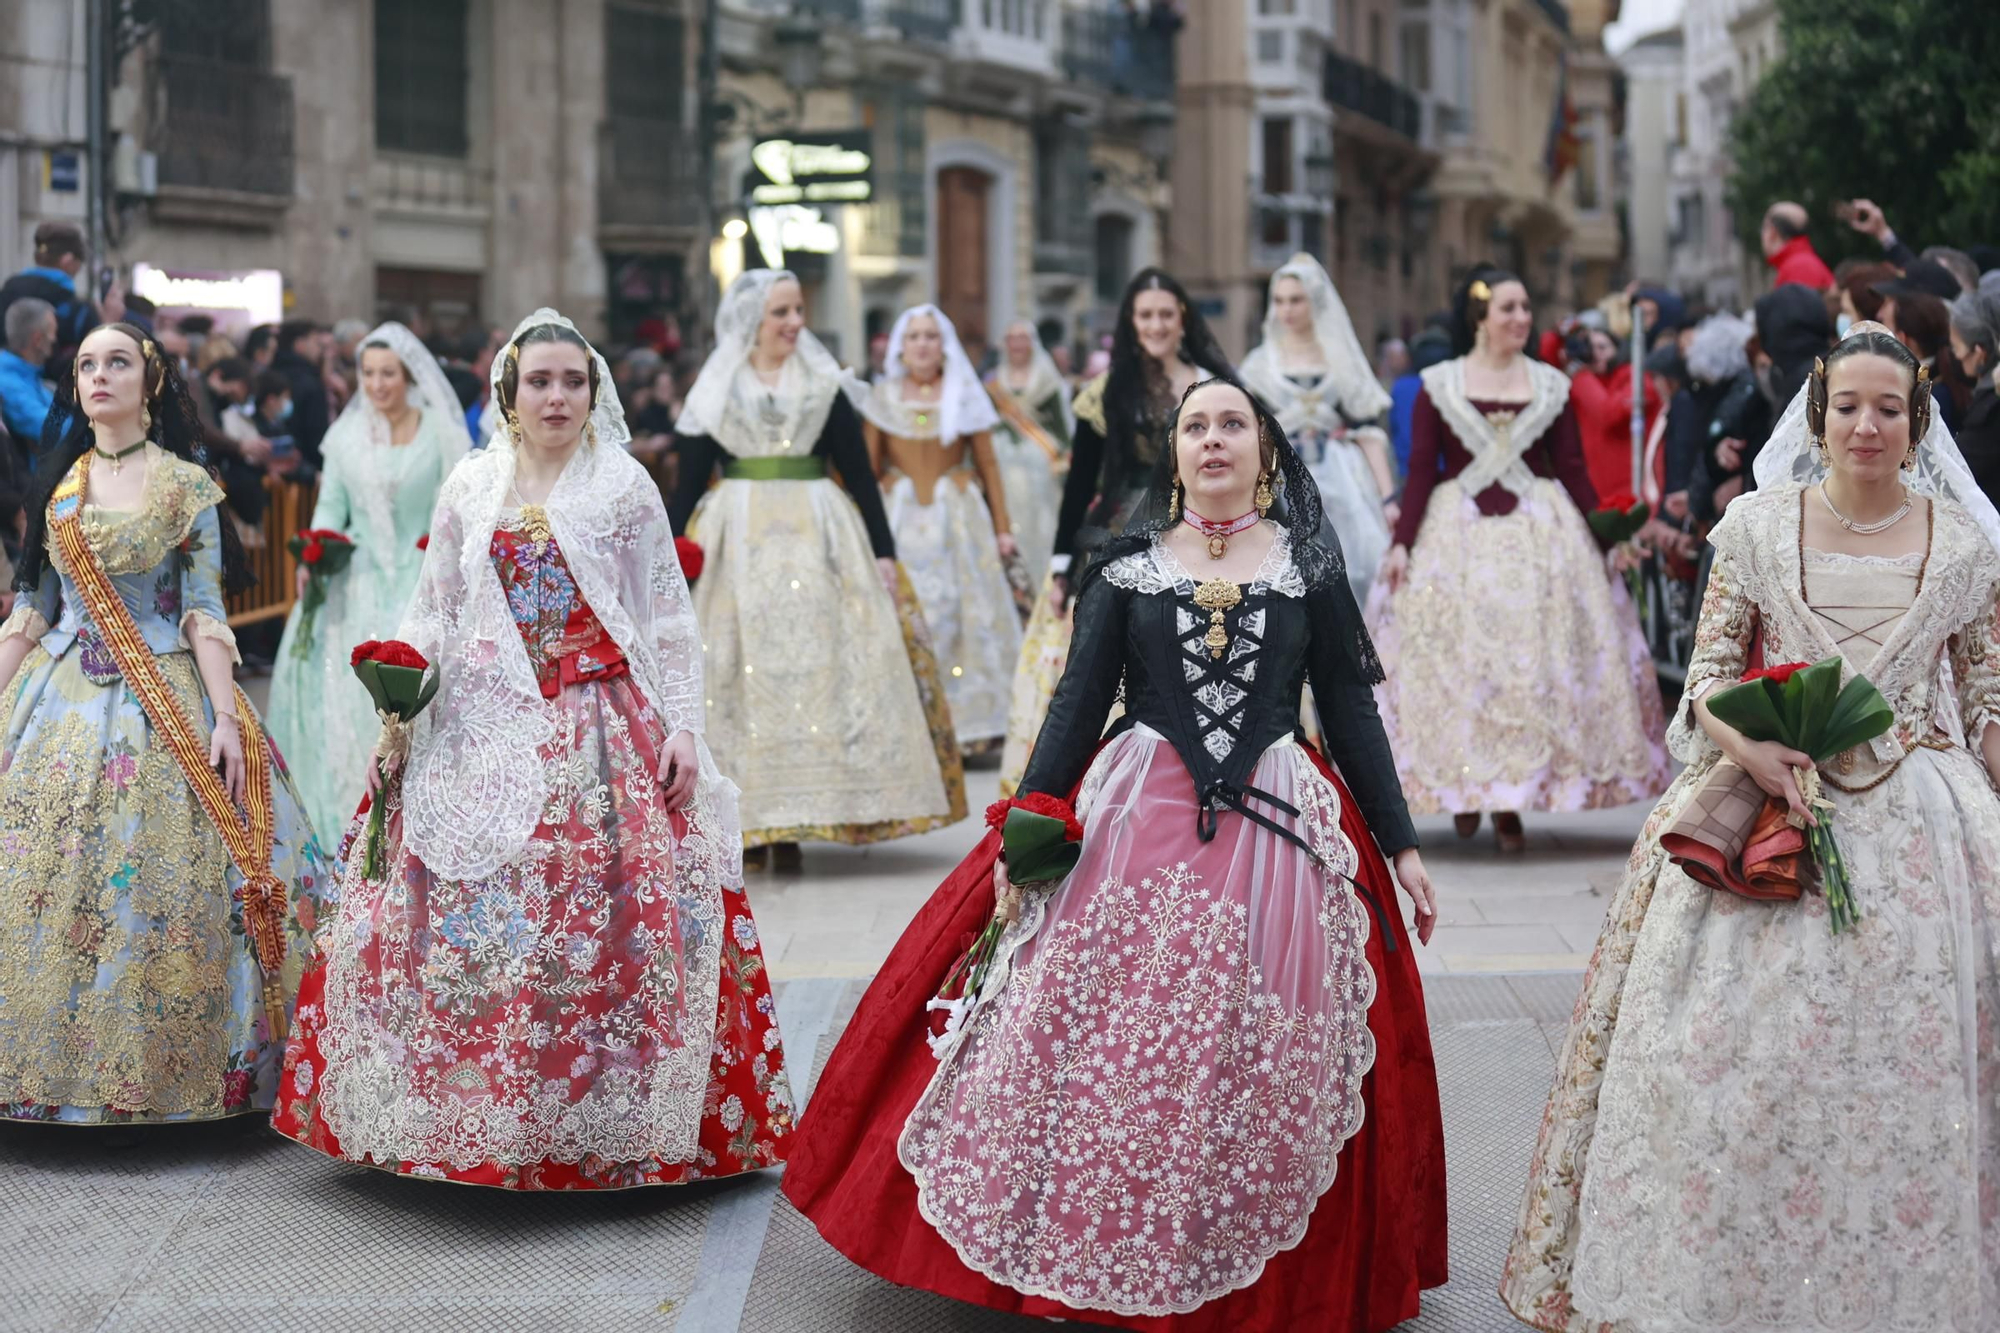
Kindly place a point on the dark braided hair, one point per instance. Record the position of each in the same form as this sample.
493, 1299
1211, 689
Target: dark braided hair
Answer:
67, 436
1871, 342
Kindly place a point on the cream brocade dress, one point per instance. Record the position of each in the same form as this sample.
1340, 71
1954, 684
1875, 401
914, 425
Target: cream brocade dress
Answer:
1758, 1124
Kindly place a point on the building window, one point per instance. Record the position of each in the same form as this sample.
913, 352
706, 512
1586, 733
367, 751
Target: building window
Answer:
421, 78
1270, 46
1278, 155
643, 63
1114, 256
1416, 38
1378, 55
1271, 7
1062, 185
1588, 196
233, 32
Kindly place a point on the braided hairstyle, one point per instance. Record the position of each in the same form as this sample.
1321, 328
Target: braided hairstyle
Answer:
67, 436
1872, 342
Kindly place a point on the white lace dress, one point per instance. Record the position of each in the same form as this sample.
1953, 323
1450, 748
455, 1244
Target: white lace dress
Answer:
1758, 1124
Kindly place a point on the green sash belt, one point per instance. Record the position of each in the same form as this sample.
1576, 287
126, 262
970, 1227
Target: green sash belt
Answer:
775, 467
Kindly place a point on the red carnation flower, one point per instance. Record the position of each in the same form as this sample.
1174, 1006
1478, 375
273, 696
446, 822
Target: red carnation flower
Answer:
362, 652
424, 542
1622, 502
691, 558
394, 652
312, 551
1781, 673
996, 814
1054, 807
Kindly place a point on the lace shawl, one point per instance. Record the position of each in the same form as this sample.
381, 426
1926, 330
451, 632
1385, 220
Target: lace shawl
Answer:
1496, 461
474, 787
963, 407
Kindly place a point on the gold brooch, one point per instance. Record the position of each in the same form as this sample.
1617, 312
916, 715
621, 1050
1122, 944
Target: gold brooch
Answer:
1215, 597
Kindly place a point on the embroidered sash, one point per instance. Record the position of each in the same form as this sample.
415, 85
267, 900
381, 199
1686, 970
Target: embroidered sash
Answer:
249, 845
1015, 413
1497, 449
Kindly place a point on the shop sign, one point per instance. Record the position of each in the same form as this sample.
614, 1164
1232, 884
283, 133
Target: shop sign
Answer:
792, 228
824, 169
258, 292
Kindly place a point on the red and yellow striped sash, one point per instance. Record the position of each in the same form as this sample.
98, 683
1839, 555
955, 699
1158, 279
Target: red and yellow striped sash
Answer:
1015, 413
249, 844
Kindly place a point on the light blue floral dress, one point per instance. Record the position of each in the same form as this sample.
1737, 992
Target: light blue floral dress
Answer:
128, 989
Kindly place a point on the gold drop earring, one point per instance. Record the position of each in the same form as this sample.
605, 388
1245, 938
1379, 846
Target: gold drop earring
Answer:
1174, 502
146, 420
590, 434
1264, 495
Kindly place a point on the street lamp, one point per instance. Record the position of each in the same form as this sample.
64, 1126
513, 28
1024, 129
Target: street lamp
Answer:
1156, 135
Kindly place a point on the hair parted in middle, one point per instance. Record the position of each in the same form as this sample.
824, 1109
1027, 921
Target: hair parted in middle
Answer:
510, 374
1871, 342
1470, 302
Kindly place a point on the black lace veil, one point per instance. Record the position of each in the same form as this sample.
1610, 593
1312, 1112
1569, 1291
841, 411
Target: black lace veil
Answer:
1315, 546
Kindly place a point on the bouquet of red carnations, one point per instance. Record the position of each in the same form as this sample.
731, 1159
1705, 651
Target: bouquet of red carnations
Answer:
1615, 523
1806, 708
324, 552
400, 681
1040, 841
691, 558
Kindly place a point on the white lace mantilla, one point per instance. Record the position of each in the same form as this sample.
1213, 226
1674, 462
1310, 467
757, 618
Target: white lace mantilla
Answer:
1496, 461
1157, 569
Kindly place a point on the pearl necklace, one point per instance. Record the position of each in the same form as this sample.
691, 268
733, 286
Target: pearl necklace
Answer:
1865, 529
1218, 534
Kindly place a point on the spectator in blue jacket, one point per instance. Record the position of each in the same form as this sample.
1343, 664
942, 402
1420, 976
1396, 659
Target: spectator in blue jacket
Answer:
25, 397
59, 253
1426, 350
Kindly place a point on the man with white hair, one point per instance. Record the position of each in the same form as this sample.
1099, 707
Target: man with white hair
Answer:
25, 397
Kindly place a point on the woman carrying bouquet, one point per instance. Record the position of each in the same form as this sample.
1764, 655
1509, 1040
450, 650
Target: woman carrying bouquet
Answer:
386, 457
1758, 1122
1517, 675
824, 701
1196, 1091
557, 982
158, 878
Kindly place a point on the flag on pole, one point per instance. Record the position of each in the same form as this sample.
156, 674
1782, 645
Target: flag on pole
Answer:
1560, 153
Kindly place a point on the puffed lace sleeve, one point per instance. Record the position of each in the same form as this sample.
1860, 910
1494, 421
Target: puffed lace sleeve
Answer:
1975, 665
1722, 639
203, 616
34, 610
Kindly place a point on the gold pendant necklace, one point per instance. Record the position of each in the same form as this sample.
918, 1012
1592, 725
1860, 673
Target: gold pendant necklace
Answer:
534, 520
1215, 597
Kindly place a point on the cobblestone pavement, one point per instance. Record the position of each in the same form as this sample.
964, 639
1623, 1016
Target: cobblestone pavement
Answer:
227, 1227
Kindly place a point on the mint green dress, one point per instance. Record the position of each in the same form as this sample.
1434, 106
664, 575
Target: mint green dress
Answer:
381, 495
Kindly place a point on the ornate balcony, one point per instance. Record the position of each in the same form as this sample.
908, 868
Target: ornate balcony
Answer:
1106, 48
1353, 86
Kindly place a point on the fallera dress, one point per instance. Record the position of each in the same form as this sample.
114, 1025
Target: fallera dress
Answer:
1517, 676
594, 1013
1198, 1094
1032, 442
381, 495
129, 992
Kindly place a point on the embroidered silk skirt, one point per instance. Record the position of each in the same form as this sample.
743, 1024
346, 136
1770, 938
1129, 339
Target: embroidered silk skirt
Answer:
129, 992
1518, 678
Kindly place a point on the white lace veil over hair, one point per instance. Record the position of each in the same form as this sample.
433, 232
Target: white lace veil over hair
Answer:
1043, 377
361, 427
474, 786
1349, 377
718, 404
963, 407
1791, 456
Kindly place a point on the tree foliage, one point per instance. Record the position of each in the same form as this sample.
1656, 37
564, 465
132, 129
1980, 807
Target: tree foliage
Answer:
1892, 100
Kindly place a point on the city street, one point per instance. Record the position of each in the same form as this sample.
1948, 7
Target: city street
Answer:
226, 1227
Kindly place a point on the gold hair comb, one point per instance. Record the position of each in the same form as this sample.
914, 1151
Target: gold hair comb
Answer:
1479, 291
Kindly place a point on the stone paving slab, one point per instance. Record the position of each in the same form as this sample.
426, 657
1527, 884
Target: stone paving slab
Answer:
226, 1227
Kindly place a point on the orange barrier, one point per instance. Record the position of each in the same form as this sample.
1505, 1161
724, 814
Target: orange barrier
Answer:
288, 508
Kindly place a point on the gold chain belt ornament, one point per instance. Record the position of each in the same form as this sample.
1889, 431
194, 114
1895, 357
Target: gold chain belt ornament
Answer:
249, 845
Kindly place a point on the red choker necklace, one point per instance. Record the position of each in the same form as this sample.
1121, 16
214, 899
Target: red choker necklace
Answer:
1218, 534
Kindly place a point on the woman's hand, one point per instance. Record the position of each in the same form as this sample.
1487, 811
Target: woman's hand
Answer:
1626, 556
678, 769
1396, 568
1392, 513
886, 567
1009, 548
299, 583
1770, 765
1416, 882
1006, 898
225, 753
382, 767
1059, 593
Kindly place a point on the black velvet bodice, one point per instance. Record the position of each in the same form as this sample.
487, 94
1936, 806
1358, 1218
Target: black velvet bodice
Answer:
1219, 713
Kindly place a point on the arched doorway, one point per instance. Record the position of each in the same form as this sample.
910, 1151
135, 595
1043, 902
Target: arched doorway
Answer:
963, 251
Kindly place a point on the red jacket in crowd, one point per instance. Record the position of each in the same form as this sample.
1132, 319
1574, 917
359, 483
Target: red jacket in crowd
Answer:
1797, 262
1603, 406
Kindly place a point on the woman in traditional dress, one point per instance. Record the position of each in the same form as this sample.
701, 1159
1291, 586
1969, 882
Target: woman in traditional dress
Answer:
1234, 1126
1312, 372
1032, 442
1518, 678
387, 455
556, 982
159, 880
1757, 1122
1160, 346
823, 700
929, 427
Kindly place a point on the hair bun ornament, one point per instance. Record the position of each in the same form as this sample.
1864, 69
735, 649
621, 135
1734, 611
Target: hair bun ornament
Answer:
1479, 291
1860, 327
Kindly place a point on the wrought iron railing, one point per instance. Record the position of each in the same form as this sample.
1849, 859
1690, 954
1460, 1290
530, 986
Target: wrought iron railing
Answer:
1113, 50
1024, 19
648, 174
1353, 86
224, 126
